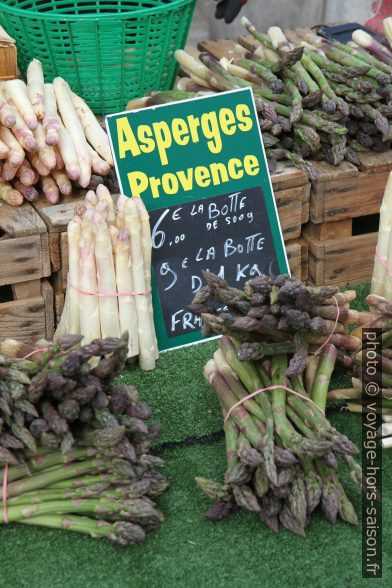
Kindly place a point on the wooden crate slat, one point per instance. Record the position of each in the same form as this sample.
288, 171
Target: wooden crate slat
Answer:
58, 306
54, 250
219, 48
286, 176
372, 162
57, 217
29, 289
347, 197
19, 221
47, 294
24, 258
289, 203
293, 250
22, 319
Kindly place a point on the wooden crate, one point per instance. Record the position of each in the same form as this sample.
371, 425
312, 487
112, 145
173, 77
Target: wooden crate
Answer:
24, 245
343, 191
336, 256
29, 312
297, 255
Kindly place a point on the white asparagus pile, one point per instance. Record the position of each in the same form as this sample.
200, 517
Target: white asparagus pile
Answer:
109, 279
381, 279
49, 138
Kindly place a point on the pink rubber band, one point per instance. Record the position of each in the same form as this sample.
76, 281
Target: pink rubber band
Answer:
5, 482
42, 350
109, 294
333, 331
384, 262
261, 391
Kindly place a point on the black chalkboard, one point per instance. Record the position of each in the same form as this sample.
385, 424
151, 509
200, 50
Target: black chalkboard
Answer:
229, 235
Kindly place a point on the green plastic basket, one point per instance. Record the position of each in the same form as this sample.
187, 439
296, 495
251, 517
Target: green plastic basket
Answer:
109, 51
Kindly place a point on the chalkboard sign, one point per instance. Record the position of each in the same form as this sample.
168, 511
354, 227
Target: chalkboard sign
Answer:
200, 167
228, 235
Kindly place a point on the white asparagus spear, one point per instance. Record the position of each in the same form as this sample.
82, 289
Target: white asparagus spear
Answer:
23, 133
93, 131
73, 125
113, 232
146, 248
74, 231
88, 305
91, 199
9, 170
50, 121
102, 208
4, 151
98, 165
50, 189
70, 318
17, 89
146, 341
379, 271
26, 174
35, 87
9, 195
45, 152
7, 112
103, 194
59, 159
62, 180
37, 164
126, 304
68, 153
106, 279
16, 151
28, 192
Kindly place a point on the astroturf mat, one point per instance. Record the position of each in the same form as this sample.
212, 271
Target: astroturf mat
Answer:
186, 550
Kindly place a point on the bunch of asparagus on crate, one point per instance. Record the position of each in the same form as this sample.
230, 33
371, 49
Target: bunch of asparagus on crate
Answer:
49, 138
75, 444
281, 450
109, 279
278, 315
316, 98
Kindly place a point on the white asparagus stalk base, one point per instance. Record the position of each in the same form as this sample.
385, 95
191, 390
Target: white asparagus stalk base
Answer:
146, 341
126, 304
106, 280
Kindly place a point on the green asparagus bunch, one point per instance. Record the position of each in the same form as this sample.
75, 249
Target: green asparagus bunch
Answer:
280, 448
77, 443
274, 316
312, 90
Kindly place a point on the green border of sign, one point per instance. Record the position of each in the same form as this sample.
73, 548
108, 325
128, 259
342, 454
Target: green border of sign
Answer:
263, 180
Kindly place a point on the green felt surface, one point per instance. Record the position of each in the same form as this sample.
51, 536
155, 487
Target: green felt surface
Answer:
187, 550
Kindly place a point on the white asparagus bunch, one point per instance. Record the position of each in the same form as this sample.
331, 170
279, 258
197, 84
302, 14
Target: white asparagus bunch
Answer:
109, 279
50, 129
